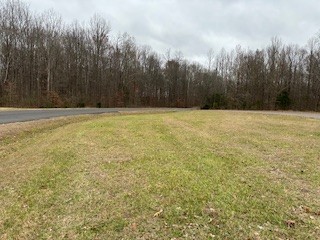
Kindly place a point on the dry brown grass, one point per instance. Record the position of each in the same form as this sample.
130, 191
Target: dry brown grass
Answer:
6, 109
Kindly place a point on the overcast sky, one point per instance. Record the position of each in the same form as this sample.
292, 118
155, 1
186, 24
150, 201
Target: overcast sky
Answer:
195, 26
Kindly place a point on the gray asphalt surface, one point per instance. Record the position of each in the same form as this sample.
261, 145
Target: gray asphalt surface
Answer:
37, 114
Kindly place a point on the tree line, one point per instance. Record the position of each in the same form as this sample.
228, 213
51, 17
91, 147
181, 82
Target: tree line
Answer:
46, 63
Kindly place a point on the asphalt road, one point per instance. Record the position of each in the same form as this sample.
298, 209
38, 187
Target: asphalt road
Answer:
37, 114
12, 116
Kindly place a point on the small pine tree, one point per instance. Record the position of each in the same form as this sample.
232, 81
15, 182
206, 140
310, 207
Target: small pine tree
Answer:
283, 100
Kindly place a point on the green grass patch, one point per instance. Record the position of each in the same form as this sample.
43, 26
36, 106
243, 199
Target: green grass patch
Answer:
185, 175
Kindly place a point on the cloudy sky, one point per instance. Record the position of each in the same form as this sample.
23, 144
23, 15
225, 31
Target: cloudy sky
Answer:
195, 26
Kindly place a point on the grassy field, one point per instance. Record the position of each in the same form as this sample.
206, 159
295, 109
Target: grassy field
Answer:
185, 175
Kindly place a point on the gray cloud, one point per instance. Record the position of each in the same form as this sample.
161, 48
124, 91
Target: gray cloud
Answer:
195, 26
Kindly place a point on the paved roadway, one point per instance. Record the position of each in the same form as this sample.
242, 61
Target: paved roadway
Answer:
11, 116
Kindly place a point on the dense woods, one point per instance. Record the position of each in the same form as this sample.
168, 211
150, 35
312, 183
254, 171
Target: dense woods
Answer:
46, 63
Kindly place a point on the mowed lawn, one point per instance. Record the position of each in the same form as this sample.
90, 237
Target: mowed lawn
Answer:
184, 175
